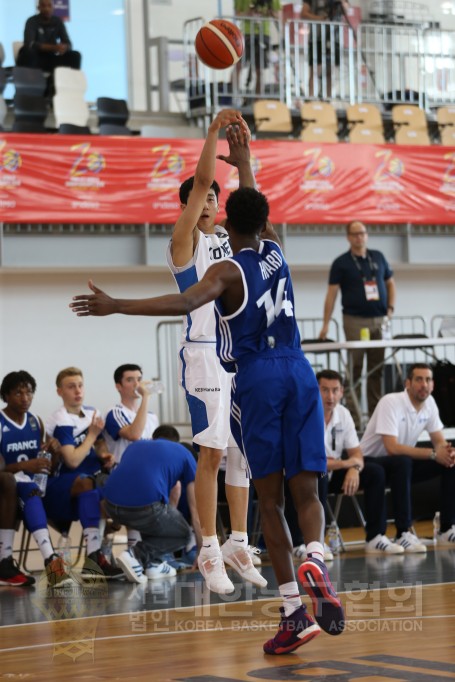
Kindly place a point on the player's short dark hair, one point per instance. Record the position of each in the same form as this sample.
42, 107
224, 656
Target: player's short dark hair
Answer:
166, 431
187, 186
247, 210
120, 371
417, 365
14, 380
330, 375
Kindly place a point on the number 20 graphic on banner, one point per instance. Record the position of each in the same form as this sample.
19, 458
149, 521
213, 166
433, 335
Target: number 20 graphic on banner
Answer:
85, 162
169, 162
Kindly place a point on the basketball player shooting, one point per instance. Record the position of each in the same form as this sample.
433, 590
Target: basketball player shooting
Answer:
276, 411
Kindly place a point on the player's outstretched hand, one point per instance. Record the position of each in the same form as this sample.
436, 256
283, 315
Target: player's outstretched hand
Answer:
225, 117
238, 137
97, 303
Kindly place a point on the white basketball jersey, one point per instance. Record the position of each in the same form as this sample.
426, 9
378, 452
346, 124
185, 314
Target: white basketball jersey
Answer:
199, 325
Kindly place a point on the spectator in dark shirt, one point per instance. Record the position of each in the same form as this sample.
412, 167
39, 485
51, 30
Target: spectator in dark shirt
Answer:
46, 42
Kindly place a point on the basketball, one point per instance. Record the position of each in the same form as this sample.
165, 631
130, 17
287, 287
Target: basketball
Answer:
219, 44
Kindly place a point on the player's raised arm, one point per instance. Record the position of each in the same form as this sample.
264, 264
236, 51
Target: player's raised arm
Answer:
183, 236
239, 138
215, 281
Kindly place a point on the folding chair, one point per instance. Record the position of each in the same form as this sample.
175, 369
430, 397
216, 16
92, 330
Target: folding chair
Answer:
317, 133
272, 117
25, 548
114, 111
363, 134
334, 514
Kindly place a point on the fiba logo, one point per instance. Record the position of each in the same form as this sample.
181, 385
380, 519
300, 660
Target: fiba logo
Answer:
388, 171
10, 164
11, 161
87, 165
95, 162
318, 169
167, 168
448, 178
87, 160
325, 166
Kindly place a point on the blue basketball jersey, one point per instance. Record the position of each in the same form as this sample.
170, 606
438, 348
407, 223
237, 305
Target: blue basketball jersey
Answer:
266, 318
19, 443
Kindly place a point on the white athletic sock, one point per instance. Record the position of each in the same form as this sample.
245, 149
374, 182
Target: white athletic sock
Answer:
134, 537
43, 541
315, 550
210, 546
289, 593
238, 540
6, 542
92, 539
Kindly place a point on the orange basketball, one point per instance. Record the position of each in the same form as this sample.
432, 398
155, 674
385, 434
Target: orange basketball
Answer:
219, 44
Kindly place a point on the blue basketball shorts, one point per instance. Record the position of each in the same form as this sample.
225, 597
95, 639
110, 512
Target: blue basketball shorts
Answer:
277, 418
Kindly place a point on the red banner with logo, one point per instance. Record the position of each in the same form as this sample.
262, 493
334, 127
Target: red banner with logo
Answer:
70, 179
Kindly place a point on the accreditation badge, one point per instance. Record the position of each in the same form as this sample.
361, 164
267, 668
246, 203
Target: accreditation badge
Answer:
371, 291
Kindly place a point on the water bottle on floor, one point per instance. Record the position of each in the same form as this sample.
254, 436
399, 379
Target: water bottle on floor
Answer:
436, 526
333, 537
107, 546
64, 548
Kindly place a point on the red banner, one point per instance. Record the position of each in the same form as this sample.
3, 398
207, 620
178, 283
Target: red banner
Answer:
73, 179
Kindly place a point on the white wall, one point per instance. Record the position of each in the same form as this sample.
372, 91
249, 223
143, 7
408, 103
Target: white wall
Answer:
40, 334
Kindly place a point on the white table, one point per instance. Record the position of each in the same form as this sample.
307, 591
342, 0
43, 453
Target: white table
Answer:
325, 346
394, 345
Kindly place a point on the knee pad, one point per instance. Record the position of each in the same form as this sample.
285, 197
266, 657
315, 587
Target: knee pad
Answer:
236, 469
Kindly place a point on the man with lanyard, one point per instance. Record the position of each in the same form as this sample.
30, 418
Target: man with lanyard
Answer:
367, 296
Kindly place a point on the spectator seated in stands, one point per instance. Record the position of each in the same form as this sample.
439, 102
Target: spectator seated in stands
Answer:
74, 494
22, 440
46, 42
391, 437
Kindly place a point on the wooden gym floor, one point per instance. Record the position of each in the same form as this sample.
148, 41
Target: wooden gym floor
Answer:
400, 614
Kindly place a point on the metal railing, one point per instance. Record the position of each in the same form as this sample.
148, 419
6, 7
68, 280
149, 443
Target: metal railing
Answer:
303, 60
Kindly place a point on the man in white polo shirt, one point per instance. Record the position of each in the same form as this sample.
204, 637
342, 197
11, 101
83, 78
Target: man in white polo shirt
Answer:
353, 473
391, 437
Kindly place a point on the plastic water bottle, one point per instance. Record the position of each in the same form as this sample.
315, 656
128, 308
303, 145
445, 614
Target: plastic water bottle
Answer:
436, 526
333, 537
153, 387
106, 546
386, 331
41, 478
64, 548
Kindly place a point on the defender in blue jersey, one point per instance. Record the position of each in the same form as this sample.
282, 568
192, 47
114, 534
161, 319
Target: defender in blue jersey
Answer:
276, 408
22, 440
